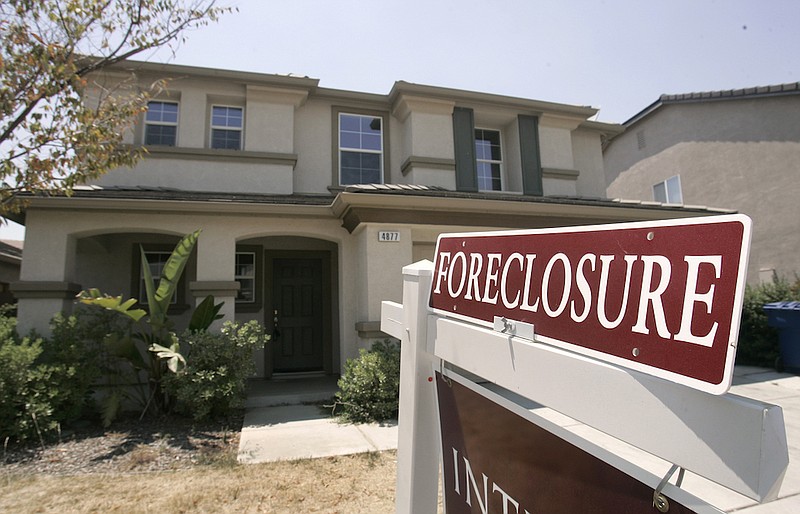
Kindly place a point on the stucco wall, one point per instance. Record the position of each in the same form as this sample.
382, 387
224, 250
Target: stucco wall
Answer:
742, 155
289, 140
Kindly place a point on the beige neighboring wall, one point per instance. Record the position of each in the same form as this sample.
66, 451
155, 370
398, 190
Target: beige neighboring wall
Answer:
740, 154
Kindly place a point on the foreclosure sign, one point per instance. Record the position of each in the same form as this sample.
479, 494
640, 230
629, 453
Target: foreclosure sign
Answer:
660, 297
500, 458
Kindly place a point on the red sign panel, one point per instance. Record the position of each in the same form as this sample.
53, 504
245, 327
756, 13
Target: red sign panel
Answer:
496, 461
660, 297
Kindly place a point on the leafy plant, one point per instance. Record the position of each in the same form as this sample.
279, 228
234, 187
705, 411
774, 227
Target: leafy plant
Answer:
29, 389
75, 352
214, 380
154, 348
758, 342
369, 388
59, 128
205, 314
19, 385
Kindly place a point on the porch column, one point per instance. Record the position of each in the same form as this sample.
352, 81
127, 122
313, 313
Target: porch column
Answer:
216, 259
45, 286
380, 266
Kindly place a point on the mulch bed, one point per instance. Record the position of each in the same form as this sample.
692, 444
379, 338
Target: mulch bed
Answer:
128, 446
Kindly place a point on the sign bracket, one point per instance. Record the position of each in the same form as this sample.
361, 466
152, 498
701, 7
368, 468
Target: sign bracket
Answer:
660, 501
514, 328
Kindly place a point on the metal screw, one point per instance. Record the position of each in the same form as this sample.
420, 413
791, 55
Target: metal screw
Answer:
661, 503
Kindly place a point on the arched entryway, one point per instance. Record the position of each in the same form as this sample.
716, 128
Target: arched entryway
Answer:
296, 301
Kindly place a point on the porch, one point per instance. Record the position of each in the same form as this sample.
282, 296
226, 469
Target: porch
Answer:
294, 389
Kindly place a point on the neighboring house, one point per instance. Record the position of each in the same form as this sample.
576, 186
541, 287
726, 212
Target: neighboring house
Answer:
737, 149
311, 200
10, 259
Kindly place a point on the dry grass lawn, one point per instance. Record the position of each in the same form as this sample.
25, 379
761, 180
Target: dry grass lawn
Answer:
362, 483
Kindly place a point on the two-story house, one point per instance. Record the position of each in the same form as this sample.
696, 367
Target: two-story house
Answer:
738, 149
311, 200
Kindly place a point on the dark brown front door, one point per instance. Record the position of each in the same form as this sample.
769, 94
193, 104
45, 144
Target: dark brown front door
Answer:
297, 342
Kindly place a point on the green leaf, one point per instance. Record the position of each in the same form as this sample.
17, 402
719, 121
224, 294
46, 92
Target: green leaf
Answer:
160, 299
205, 314
156, 312
125, 348
112, 303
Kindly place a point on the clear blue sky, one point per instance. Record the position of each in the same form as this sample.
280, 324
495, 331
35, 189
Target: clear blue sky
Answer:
615, 55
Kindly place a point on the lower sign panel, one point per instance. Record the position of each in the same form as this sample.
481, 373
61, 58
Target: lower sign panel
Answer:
496, 460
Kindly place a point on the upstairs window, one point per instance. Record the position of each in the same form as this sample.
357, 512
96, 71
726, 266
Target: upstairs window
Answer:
489, 160
226, 127
668, 191
360, 149
161, 123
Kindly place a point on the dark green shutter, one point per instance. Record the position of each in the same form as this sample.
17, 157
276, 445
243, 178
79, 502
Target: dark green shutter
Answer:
464, 143
530, 156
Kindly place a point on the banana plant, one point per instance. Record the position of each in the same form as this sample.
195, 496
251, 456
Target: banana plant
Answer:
161, 343
158, 299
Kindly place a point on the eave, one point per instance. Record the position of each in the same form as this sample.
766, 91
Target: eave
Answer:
504, 211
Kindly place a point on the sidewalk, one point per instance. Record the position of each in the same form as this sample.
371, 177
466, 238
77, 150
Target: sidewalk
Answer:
284, 422
306, 431
287, 432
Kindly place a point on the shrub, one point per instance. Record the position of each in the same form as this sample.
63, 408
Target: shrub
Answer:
25, 396
76, 355
758, 342
214, 381
47, 382
369, 389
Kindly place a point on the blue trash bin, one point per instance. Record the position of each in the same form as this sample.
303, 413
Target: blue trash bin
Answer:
785, 316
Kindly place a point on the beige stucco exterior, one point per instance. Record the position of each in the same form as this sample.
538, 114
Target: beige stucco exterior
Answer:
278, 198
739, 151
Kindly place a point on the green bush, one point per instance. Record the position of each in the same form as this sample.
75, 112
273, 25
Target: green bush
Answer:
75, 353
369, 389
25, 395
48, 382
758, 342
214, 381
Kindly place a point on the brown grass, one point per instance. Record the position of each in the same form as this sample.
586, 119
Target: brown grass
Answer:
362, 483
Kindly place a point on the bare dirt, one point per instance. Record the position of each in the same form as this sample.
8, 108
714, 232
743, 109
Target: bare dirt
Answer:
130, 445
174, 465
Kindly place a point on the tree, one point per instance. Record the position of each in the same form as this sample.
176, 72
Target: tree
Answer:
53, 135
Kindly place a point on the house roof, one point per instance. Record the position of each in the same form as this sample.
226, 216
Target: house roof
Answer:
792, 88
384, 203
399, 89
10, 251
170, 194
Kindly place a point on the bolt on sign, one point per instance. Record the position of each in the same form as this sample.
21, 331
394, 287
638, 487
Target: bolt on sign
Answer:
661, 297
494, 460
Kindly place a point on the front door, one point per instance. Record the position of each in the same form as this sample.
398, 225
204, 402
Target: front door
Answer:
297, 342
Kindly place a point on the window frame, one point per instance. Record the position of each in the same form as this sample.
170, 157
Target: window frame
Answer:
258, 279
665, 184
336, 148
161, 123
479, 160
226, 128
239, 277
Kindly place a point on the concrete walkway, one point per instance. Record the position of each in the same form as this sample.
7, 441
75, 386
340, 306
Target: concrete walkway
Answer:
284, 432
306, 431
285, 422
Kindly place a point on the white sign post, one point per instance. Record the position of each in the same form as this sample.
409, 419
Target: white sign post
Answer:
733, 441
